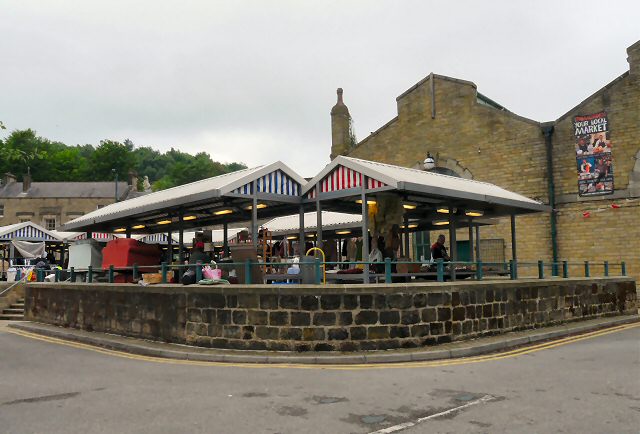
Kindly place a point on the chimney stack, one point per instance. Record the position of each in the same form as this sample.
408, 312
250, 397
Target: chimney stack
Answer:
26, 182
633, 57
8, 178
340, 128
133, 180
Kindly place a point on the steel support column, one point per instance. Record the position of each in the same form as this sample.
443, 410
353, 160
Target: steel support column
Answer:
365, 229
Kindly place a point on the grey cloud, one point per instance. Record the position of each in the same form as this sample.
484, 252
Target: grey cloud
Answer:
254, 81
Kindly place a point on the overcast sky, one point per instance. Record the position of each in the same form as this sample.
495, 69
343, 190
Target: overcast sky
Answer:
254, 81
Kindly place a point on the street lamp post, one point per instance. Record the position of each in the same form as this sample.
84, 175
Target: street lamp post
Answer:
115, 173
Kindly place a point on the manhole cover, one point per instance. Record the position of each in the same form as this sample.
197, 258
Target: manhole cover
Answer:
372, 419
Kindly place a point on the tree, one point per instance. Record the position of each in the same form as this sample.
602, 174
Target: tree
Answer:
55, 161
110, 155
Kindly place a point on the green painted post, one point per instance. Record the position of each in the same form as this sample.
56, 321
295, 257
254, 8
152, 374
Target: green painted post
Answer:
387, 270
587, 271
38, 275
565, 269
18, 274
57, 274
111, 274
318, 271
90, 274
606, 268
73, 274
623, 268
479, 270
540, 269
512, 269
198, 271
135, 271
440, 265
247, 272
163, 268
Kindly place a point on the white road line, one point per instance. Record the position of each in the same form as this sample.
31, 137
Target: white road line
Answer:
399, 427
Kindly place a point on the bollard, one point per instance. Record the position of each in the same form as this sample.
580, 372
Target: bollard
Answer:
554, 268
606, 268
318, 271
479, 270
540, 269
18, 275
623, 268
587, 271
387, 270
57, 274
247, 272
198, 271
38, 275
565, 269
440, 265
90, 274
72, 277
513, 269
111, 274
163, 268
135, 271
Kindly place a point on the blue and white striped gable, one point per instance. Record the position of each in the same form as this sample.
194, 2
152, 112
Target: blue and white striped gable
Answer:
28, 233
276, 182
155, 239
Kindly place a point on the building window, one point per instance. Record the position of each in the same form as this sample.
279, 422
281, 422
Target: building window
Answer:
423, 246
100, 206
50, 224
1, 210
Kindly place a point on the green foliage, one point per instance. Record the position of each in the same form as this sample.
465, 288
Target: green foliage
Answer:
55, 161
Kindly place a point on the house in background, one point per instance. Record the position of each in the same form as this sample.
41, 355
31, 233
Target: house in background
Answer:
51, 204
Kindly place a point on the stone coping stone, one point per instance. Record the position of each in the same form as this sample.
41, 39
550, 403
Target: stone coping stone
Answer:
379, 288
460, 349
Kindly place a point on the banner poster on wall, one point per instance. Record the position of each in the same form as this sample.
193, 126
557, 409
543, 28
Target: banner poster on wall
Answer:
593, 154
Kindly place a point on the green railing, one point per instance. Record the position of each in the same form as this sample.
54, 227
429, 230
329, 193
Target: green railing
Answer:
314, 271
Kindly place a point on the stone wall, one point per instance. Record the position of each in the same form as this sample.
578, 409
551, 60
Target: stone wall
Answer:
37, 209
327, 318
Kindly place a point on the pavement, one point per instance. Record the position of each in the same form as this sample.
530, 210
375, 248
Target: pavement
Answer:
587, 383
467, 348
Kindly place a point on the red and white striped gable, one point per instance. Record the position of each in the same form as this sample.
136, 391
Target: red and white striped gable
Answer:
100, 236
343, 178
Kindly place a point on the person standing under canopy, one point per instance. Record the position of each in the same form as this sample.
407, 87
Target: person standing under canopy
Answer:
438, 250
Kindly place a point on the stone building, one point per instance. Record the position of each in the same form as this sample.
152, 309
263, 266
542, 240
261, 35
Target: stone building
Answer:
471, 136
51, 204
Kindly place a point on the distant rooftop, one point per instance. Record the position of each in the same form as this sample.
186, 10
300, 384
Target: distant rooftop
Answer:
66, 190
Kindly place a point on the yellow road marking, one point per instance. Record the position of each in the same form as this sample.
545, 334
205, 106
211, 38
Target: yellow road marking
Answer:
427, 364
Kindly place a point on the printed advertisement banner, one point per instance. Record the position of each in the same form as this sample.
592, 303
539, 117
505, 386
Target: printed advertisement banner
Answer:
593, 154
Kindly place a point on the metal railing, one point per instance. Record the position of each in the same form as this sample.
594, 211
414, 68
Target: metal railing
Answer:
386, 271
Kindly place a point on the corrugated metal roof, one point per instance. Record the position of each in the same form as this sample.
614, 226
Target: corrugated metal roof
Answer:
330, 219
182, 195
420, 181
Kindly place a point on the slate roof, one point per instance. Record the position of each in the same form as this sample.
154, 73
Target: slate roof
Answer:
65, 189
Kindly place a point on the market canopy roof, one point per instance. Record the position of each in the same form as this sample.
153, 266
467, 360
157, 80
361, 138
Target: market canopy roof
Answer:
217, 237
278, 191
27, 231
287, 225
344, 177
207, 202
76, 236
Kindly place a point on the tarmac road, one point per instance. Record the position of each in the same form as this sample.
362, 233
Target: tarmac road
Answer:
588, 386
